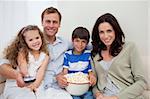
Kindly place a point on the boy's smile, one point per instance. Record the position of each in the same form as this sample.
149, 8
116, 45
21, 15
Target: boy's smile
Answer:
79, 45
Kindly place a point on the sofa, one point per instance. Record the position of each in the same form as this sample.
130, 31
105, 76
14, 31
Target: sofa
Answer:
2, 84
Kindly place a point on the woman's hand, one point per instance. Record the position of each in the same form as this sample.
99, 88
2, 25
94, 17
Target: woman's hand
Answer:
110, 97
61, 79
99, 95
33, 87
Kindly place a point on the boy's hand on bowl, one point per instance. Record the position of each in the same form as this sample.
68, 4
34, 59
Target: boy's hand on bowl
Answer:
92, 79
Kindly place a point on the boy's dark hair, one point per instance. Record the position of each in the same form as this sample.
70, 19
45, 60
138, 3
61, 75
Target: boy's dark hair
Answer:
82, 33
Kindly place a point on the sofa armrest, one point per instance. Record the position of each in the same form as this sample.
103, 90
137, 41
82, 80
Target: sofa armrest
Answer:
2, 87
2, 83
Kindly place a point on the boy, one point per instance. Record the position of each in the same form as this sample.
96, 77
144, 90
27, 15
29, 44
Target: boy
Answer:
78, 58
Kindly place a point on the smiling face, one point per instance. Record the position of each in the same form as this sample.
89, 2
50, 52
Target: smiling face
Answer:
51, 24
106, 33
79, 45
33, 39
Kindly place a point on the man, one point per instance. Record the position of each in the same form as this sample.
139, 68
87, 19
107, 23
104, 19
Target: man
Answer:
51, 19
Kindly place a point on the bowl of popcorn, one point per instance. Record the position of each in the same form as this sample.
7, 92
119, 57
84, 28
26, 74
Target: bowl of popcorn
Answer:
78, 83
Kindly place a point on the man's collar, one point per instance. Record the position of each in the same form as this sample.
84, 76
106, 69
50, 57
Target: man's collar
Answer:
58, 40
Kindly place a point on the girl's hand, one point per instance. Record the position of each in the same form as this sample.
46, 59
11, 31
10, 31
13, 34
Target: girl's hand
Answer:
19, 80
24, 72
33, 87
92, 79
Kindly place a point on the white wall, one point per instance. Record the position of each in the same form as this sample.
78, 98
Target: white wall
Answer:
149, 41
131, 14
14, 14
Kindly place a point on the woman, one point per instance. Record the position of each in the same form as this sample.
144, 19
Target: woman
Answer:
116, 63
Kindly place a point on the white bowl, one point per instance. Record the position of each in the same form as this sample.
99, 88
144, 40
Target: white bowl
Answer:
77, 89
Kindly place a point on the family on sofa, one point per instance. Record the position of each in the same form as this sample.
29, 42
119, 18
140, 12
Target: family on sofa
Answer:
33, 63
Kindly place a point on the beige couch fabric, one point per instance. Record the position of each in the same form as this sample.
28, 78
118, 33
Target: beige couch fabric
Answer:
2, 84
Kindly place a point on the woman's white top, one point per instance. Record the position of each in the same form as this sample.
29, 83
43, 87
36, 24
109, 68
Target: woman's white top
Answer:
111, 88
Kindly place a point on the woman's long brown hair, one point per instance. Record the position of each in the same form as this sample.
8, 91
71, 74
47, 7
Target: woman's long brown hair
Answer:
98, 45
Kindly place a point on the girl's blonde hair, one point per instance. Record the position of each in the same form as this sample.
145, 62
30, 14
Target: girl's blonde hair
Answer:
19, 44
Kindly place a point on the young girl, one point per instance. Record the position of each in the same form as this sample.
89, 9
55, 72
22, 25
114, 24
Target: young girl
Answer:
28, 54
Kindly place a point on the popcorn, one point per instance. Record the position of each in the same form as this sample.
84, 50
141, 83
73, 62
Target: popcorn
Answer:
78, 77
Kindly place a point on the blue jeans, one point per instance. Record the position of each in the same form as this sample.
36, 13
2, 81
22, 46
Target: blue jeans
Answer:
87, 95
